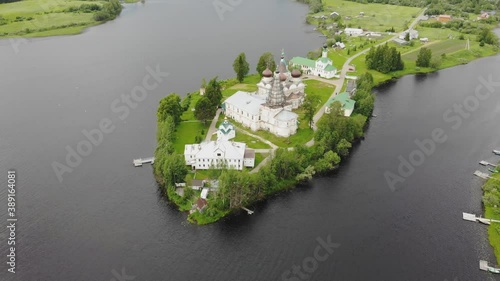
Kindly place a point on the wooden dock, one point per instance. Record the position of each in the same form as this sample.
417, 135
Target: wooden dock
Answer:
474, 218
482, 175
248, 211
483, 265
485, 163
140, 161
497, 152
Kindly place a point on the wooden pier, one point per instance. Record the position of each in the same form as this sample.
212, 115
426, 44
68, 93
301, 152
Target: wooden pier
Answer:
482, 175
497, 152
483, 265
485, 163
474, 218
140, 161
248, 211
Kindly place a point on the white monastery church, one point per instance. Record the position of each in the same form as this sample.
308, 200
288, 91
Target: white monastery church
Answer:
270, 108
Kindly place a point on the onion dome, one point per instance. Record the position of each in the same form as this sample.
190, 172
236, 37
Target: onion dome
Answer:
296, 73
283, 76
267, 73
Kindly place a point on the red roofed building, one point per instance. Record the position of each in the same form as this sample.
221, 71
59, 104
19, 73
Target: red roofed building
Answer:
444, 18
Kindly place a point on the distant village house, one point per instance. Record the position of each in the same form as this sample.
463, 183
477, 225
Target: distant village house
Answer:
444, 18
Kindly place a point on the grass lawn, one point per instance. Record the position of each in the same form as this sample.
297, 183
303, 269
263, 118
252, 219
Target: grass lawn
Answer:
439, 33
320, 89
303, 135
31, 18
186, 133
494, 228
249, 84
377, 17
250, 141
259, 157
438, 48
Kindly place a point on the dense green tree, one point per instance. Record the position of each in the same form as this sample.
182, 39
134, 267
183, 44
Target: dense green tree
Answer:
213, 92
487, 36
166, 130
326, 163
173, 169
310, 105
109, 11
241, 67
170, 106
407, 36
384, 59
343, 147
204, 110
265, 61
424, 57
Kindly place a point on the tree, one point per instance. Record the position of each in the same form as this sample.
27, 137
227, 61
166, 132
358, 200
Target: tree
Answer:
407, 36
343, 147
241, 67
204, 109
173, 169
170, 106
384, 59
213, 92
311, 102
265, 61
424, 57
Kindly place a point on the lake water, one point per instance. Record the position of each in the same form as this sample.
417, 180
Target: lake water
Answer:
107, 217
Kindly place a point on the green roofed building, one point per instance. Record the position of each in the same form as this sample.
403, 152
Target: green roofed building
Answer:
346, 102
322, 67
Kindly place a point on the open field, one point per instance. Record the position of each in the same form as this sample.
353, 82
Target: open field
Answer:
322, 90
377, 17
459, 56
438, 48
439, 33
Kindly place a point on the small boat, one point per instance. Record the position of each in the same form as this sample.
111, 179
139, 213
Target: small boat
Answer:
492, 170
497, 152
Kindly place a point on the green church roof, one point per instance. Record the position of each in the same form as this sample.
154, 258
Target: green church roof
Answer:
330, 68
303, 61
344, 99
226, 127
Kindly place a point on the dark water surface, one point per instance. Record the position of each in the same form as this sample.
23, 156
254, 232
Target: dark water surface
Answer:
107, 216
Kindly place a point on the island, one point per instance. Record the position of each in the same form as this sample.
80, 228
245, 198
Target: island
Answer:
238, 141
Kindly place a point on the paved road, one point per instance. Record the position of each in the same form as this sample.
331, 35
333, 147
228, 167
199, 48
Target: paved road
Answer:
212, 130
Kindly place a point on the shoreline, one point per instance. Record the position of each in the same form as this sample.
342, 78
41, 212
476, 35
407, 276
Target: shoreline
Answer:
27, 19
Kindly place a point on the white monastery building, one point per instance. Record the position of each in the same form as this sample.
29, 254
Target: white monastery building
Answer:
220, 153
322, 67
